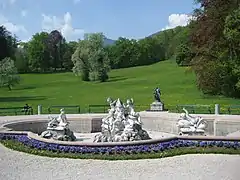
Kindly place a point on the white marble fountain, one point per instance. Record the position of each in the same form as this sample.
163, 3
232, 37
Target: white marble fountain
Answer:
121, 123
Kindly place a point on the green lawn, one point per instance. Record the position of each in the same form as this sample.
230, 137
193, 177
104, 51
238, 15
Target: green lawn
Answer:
177, 86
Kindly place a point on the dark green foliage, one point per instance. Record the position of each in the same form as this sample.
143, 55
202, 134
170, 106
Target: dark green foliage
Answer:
183, 55
68, 50
3, 43
210, 44
102, 75
215, 41
38, 53
8, 43
48, 52
45, 53
21, 59
171, 39
157, 47
85, 74
123, 53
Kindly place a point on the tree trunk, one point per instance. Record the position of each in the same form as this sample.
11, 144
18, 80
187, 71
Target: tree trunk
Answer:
9, 87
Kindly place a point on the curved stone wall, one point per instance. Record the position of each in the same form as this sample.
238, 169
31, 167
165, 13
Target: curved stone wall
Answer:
80, 125
33, 126
218, 125
166, 122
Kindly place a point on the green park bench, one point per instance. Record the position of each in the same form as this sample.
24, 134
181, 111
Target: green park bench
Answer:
194, 108
93, 108
234, 108
16, 111
70, 109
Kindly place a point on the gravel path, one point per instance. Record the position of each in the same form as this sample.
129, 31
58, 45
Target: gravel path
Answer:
20, 166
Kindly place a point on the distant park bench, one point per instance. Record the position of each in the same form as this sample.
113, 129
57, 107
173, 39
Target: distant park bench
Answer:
16, 111
194, 108
234, 108
69, 109
93, 108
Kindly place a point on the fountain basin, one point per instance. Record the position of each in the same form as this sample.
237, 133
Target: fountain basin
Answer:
218, 125
35, 128
161, 128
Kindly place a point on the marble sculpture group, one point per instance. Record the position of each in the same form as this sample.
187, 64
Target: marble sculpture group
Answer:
121, 124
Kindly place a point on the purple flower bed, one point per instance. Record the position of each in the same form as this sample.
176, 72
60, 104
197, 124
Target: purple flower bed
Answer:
117, 149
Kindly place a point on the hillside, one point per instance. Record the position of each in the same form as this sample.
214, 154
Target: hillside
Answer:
177, 86
170, 35
108, 42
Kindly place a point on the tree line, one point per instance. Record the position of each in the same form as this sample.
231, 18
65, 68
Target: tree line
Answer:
213, 49
210, 45
89, 58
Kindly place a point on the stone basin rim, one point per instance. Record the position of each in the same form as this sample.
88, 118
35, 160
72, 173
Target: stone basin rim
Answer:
219, 125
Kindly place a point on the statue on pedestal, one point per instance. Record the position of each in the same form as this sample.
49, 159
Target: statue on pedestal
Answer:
157, 105
190, 125
58, 128
121, 124
157, 94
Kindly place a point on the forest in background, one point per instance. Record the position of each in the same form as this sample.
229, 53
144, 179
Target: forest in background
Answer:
210, 45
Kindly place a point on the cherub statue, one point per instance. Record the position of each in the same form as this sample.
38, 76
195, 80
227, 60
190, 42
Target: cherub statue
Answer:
108, 120
111, 104
132, 116
62, 118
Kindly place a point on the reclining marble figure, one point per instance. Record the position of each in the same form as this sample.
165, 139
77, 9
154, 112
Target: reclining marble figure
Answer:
191, 125
121, 124
58, 128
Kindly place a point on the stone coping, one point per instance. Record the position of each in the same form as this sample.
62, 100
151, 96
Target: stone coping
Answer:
17, 119
100, 115
28, 118
143, 114
129, 143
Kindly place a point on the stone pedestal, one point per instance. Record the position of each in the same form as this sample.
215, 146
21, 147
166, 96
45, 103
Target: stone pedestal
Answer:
157, 106
217, 109
39, 109
59, 133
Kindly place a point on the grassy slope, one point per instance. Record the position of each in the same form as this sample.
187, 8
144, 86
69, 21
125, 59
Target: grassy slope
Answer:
177, 86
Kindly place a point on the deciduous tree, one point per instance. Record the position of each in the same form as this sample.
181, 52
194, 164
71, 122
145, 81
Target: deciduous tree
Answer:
8, 73
91, 59
38, 53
